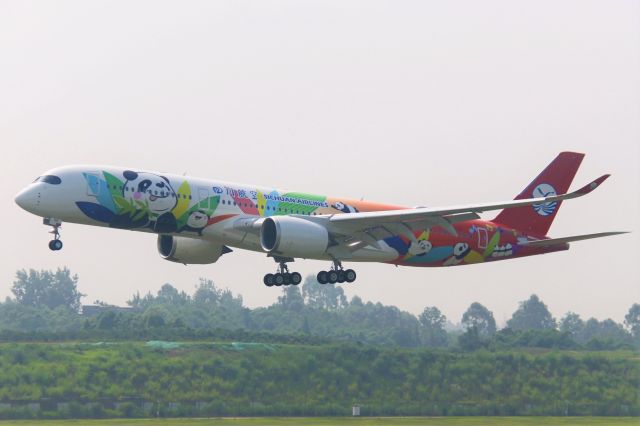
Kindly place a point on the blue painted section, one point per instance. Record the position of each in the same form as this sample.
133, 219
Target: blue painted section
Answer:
99, 189
96, 211
104, 196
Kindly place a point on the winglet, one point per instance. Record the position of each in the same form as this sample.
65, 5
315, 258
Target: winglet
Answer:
593, 185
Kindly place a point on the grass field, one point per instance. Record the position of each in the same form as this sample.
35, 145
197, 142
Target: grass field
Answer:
326, 421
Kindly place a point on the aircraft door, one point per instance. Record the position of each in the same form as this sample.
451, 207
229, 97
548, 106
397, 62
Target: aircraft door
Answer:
483, 238
93, 184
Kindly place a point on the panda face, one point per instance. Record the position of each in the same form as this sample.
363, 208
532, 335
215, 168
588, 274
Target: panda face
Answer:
421, 247
155, 190
460, 250
197, 219
344, 207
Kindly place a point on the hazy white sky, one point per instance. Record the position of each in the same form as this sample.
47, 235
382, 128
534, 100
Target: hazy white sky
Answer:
408, 102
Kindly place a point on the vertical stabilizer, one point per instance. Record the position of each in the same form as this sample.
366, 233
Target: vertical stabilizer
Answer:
553, 180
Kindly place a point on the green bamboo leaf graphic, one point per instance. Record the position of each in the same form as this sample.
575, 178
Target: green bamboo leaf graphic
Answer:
121, 203
139, 215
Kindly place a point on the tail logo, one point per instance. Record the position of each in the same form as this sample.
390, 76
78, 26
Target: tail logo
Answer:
544, 190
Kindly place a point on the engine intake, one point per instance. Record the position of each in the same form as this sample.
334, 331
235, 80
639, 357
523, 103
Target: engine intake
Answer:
190, 250
293, 237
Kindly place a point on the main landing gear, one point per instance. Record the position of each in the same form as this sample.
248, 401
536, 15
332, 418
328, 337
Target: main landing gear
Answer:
282, 276
56, 243
337, 274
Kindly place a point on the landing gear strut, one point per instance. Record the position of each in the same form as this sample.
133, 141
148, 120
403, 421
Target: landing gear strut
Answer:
56, 243
282, 276
337, 274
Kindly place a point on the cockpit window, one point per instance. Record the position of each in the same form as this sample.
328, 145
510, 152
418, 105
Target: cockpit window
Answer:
52, 179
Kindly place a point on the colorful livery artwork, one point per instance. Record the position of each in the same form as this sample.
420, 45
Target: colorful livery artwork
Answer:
198, 220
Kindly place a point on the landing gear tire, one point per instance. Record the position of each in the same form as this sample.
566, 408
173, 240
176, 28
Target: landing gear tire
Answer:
55, 245
341, 277
322, 277
278, 279
268, 280
350, 275
282, 276
296, 278
332, 277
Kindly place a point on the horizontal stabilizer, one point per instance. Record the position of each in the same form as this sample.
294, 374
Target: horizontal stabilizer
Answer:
564, 240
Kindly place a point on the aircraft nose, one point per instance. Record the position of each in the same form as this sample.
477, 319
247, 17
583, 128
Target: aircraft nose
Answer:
28, 198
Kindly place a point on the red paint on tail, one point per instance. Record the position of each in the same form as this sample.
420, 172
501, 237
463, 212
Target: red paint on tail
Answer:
555, 179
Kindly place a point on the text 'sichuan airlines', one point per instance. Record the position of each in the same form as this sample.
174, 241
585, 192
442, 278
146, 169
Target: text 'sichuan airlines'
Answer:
198, 220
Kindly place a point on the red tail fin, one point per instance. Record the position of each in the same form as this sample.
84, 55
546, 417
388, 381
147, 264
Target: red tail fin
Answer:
555, 179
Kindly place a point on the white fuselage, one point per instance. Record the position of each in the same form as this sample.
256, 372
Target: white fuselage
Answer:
177, 205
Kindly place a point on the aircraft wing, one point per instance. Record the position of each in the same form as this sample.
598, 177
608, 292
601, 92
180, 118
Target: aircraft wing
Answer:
364, 226
353, 231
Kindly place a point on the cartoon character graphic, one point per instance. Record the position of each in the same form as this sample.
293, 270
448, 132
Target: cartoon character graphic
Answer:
419, 247
345, 208
155, 190
460, 250
145, 200
417, 250
196, 221
154, 194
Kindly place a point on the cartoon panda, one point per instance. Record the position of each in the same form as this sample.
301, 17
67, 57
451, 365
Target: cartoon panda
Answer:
197, 221
420, 247
156, 192
460, 250
345, 208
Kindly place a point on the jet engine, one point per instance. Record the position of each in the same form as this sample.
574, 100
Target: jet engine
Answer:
190, 250
293, 237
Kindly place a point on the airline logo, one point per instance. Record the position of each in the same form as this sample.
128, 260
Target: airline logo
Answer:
544, 190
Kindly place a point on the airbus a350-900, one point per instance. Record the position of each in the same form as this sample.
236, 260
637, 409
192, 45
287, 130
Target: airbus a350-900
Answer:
199, 220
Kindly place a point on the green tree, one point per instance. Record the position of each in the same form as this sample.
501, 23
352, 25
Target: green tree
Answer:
47, 289
206, 293
470, 340
572, 324
323, 296
479, 317
604, 331
291, 299
632, 320
532, 315
170, 295
432, 330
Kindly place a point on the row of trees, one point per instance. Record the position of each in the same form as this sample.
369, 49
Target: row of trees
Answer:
49, 301
223, 379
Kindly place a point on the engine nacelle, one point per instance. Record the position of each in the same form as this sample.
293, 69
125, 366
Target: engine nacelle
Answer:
293, 237
190, 250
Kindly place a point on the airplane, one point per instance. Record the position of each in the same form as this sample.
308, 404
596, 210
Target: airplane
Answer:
199, 220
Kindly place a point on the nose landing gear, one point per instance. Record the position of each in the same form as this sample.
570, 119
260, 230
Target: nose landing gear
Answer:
337, 274
56, 243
